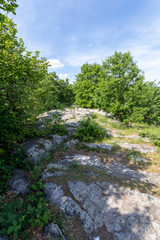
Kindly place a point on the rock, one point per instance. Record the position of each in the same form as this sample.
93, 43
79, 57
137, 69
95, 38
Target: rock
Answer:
71, 143
138, 159
18, 183
67, 205
58, 140
99, 145
53, 174
52, 231
83, 160
57, 166
121, 171
90, 173
109, 115
127, 214
137, 147
37, 149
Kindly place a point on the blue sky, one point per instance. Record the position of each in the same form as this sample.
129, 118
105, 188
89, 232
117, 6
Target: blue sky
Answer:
71, 33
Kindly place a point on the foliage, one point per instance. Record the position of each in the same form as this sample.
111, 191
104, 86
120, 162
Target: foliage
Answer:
9, 160
17, 215
20, 73
154, 137
118, 87
89, 130
55, 92
86, 83
7, 6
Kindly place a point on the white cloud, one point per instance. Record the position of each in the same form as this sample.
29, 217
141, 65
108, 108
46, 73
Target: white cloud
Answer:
55, 63
63, 76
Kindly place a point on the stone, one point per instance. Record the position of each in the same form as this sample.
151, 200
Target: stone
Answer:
53, 174
71, 143
127, 214
55, 194
99, 145
52, 231
137, 147
139, 159
57, 166
109, 115
83, 160
18, 183
119, 170
37, 149
57, 139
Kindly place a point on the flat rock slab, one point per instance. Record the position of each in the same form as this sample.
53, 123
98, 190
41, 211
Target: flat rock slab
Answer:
121, 171
69, 115
83, 160
55, 194
114, 168
137, 147
46, 175
127, 214
99, 145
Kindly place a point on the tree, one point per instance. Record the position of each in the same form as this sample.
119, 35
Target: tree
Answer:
7, 6
55, 92
85, 85
20, 73
119, 74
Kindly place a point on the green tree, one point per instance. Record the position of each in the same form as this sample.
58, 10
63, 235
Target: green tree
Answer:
20, 73
86, 84
55, 92
118, 75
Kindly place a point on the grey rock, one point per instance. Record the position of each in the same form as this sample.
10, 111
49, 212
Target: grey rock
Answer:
53, 174
109, 115
90, 173
138, 159
57, 139
83, 160
57, 166
139, 148
52, 231
37, 149
67, 205
100, 145
127, 214
121, 171
71, 143
18, 183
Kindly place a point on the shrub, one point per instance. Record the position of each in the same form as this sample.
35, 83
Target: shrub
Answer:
89, 130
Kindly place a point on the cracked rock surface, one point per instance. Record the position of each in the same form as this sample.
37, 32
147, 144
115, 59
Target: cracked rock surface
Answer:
127, 214
114, 168
138, 147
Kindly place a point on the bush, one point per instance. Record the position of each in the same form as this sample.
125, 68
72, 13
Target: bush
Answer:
17, 215
89, 130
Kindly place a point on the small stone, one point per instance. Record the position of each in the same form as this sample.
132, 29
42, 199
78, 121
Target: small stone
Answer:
18, 183
57, 139
52, 231
4, 238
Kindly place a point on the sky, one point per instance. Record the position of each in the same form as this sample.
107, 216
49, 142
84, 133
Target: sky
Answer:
70, 33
